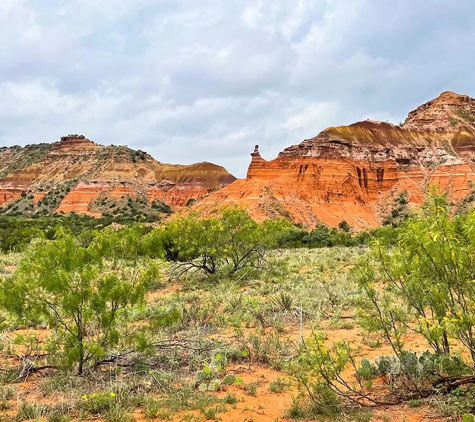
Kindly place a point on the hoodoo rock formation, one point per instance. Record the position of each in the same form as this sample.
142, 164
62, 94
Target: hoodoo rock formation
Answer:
79, 175
352, 172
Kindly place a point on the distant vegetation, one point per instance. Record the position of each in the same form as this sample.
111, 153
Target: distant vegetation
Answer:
17, 232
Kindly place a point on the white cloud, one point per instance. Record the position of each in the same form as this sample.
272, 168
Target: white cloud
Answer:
193, 81
306, 117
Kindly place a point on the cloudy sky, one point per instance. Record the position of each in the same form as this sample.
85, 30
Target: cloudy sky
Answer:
205, 80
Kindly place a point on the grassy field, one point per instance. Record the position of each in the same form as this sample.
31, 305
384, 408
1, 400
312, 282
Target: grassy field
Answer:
225, 352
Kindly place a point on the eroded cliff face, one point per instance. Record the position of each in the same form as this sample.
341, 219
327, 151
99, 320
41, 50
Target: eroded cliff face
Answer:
351, 172
77, 175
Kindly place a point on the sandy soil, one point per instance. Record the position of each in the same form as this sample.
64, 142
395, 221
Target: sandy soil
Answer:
265, 405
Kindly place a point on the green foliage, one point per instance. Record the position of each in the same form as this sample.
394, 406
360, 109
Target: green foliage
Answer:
228, 241
17, 237
22, 157
320, 237
367, 371
17, 232
98, 403
213, 376
317, 369
284, 302
411, 371
84, 297
211, 412
128, 208
251, 388
399, 210
161, 207
460, 403
344, 226
466, 116
429, 271
28, 411
151, 408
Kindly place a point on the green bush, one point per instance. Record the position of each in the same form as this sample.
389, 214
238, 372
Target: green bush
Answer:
84, 294
227, 241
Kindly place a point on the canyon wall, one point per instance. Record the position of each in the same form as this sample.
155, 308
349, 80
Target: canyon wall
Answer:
353, 172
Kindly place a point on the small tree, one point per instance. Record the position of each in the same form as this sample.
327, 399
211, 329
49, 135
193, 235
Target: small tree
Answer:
84, 297
343, 225
228, 240
429, 271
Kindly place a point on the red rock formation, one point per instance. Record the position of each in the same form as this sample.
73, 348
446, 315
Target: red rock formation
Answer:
86, 171
73, 142
80, 198
9, 194
37, 196
178, 196
348, 172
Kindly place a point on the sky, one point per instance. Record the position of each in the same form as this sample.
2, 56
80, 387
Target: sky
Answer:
206, 80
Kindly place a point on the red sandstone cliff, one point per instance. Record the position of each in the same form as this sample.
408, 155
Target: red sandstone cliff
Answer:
351, 172
78, 175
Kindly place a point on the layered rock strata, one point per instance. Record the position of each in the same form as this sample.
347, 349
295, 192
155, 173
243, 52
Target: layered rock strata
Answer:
82, 171
351, 172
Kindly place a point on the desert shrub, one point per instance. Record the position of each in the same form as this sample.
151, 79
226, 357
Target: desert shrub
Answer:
98, 403
459, 403
267, 349
278, 385
30, 411
7, 393
161, 207
17, 237
227, 241
429, 272
399, 211
344, 226
317, 371
320, 237
84, 297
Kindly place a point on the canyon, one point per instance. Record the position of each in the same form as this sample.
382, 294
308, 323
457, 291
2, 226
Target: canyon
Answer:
78, 175
355, 173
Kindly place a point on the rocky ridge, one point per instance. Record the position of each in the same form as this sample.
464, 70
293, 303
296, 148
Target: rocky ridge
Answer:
78, 175
354, 172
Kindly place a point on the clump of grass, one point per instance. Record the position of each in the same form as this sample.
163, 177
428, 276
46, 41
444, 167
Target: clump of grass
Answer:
251, 388
278, 385
118, 414
211, 412
151, 408
230, 399
59, 418
7, 392
28, 411
4, 405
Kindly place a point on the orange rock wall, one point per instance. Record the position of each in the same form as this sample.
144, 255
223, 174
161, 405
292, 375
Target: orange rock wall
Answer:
7, 195
352, 172
177, 197
79, 199
313, 190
